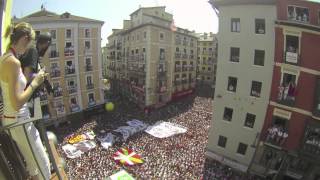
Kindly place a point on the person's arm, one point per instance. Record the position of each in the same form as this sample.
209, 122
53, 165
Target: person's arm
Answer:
17, 99
12, 68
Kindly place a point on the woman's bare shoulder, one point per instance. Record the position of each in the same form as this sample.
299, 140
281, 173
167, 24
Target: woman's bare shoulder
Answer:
11, 63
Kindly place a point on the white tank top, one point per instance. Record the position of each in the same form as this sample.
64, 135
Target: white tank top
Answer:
8, 109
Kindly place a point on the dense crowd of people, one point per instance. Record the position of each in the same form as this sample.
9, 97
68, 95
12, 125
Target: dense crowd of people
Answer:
177, 157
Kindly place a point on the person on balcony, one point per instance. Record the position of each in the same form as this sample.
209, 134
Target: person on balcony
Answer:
292, 90
15, 96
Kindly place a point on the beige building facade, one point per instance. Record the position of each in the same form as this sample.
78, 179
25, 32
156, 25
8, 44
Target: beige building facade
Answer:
244, 75
207, 59
73, 61
150, 60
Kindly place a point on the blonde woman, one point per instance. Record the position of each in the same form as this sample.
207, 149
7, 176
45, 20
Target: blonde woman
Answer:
15, 95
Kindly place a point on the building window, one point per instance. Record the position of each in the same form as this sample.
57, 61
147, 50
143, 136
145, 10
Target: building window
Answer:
234, 54
235, 24
208, 78
91, 98
256, 88
242, 148
292, 49
250, 119
89, 80
209, 68
53, 34
260, 26
161, 36
227, 115
87, 45
68, 33
162, 54
232, 84
259, 57
87, 33
298, 14
145, 35
222, 142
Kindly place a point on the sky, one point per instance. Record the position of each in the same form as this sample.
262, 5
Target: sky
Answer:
195, 15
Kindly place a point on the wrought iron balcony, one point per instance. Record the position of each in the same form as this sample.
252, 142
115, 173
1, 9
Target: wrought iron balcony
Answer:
89, 67
90, 86
74, 107
91, 103
68, 51
286, 95
177, 55
184, 56
53, 54
177, 82
55, 73
276, 135
70, 70
177, 68
72, 89
57, 92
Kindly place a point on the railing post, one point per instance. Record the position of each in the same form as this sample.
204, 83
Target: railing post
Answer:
47, 144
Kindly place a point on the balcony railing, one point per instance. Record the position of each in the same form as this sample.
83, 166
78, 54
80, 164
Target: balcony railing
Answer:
68, 51
184, 56
311, 140
15, 155
162, 89
74, 107
162, 57
89, 67
162, 72
177, 82
54, 54
316, 110
276, 135
286, 95
177, 69
91, 103
90, 86
291, 57
298, 14
185, 43
57, 92
177, 55
184, 81
72, 89
69, 70
185, 67
55, 73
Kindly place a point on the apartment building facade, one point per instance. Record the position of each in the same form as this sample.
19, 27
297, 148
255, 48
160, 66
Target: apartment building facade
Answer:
73, 61
244, 75
151, 61
207, 59
289, 146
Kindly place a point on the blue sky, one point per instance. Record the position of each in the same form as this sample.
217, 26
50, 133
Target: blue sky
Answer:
191, 14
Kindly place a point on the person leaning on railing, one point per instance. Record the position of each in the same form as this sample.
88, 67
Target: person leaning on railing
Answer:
15, 96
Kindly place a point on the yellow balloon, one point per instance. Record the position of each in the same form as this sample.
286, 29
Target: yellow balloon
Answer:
109, 106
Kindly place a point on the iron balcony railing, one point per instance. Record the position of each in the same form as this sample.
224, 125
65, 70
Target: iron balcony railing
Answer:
42, 131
